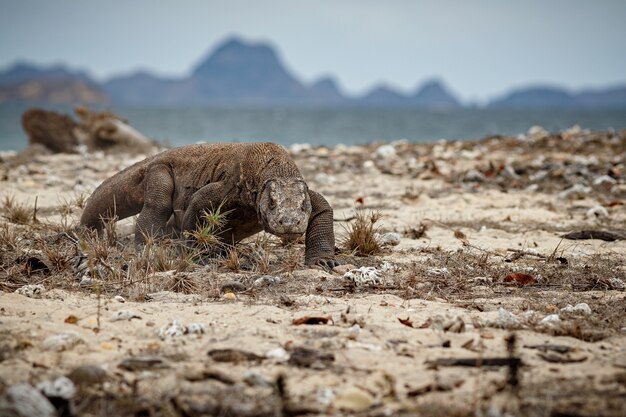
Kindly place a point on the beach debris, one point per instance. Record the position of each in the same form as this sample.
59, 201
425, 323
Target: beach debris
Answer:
520, 278
266, 281
353, 399
607, 236
597, 212
406, 322
174, 328
310, 358
325, 395
448, 323
473, 175
142, 363
61, 387
312, 320
550, 320
342, 269
97, 131
31, 290
616, 284
233, 355
71, 319
557, 357
22, 400
278, 354
505, 320
119, 299
474, 362
579, 309
62, 341
575, 192
388, 239
365, 276
255, 378
125, 315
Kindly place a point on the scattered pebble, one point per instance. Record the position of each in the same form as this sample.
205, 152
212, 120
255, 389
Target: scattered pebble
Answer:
474, 176
125, 315
63, 341
22, 400
31, 290
196, 328
604, 180
550, 320
140, 363
229, 296
255, 378
266, 281
580, 308
172, 329
576, 192
279, 354
447, 323
62, 387
597, 212
325, 395
506, 320
86, 375
385, 151
354, 400
388, 239
616, 284
119, 299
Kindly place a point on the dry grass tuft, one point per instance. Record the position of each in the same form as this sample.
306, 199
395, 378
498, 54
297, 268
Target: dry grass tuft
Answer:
361, 238
232, 260
16, 212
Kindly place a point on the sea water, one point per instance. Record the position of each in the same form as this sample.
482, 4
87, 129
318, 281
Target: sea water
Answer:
326, 126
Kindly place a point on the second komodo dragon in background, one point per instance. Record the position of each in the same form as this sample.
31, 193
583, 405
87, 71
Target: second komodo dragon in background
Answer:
259, 183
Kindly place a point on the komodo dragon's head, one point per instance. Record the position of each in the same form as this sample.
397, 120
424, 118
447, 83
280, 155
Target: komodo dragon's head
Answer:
284, 207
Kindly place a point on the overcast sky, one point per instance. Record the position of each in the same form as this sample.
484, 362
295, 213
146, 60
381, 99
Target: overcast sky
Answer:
480, 48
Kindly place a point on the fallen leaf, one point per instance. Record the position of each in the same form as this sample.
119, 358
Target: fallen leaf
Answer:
71, 319
312, 320
520, 278
426, 324
360, 200
406, 322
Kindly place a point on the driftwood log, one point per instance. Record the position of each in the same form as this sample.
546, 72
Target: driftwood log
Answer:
98, 131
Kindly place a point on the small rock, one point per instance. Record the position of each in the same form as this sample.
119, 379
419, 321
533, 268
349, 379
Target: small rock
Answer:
119, 299
299, 147
597, 212
62, 387
124, 315
88, 282
604, 180
454, 324
537, 131
325, 396
385, 151
279, 354
86, 375
172, 329
580, 308
576, 192
232, 286
550, 320
22, 400
31, 290
388, 239
229, 296
196, 328
354, 399
61, 342
354, 332
140, 363
255, 378
506, 320
474, 176
266, 281
437, 271
616, 284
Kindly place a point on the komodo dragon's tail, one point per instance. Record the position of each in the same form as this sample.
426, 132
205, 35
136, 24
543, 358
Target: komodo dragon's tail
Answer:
119, 196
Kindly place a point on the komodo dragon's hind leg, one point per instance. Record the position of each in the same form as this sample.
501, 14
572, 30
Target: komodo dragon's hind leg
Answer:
320, 235
157, 206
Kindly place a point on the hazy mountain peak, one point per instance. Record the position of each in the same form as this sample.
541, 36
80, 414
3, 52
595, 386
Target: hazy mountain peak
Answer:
434, 93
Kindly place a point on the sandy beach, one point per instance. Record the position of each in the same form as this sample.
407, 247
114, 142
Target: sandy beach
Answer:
476, 304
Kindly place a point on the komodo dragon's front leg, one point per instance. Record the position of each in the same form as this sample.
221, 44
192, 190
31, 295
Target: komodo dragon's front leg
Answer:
157, 205
320, 235
208, 197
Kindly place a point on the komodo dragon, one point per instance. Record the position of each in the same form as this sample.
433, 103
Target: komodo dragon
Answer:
259, 182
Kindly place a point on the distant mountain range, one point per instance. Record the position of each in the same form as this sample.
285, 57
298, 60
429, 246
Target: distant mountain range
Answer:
242, 73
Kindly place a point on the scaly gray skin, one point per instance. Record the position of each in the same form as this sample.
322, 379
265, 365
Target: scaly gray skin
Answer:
258, 182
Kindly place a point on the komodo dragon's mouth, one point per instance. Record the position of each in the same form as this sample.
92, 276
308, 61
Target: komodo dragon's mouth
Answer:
289, 237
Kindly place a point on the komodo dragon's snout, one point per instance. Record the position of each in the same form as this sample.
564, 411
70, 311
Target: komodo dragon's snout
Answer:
285, 207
